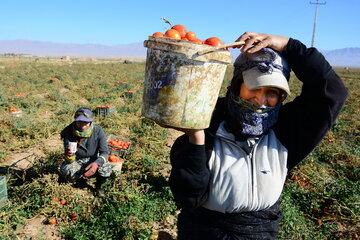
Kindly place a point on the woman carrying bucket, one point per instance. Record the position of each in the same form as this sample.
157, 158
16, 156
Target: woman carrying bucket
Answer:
229, 177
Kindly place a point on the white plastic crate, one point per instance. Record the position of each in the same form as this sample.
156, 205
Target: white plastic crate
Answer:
117, 152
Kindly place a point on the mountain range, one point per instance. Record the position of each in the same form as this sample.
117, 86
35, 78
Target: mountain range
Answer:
345, 57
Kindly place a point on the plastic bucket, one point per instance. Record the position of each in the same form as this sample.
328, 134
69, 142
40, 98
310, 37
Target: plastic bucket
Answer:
116, 167
182, 86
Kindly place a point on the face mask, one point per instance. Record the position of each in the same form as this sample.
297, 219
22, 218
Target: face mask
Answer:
83, 134
248, 118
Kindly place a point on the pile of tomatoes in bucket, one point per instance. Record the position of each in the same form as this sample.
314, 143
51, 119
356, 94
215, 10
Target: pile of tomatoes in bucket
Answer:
179, 31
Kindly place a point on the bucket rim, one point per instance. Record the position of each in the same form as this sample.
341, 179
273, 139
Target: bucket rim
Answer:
189, 49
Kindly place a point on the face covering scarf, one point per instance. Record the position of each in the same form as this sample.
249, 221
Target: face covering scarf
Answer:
82, 134
248, 118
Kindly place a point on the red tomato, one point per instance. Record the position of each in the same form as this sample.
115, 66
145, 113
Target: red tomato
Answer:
158, 34
213, 41
181, 29
13, 109
112, 158
196, 40
185, 39
190, 35
52, 220
172, 33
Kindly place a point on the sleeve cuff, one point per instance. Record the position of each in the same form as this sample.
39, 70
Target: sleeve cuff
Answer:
100, 160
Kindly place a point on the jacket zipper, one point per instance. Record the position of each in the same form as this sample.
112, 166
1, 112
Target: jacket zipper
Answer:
250, 156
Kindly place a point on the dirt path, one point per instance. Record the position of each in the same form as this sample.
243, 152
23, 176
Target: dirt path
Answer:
23, 160
37, 228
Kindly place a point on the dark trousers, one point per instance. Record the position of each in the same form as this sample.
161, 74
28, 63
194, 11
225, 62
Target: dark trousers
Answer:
204, 224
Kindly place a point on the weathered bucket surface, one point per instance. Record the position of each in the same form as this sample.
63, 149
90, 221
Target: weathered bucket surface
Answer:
3, 191
181, 87
116, 167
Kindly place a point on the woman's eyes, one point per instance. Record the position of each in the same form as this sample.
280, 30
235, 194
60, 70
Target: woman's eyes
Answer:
272, 93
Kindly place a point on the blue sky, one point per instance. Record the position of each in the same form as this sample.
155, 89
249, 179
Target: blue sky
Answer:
112, 22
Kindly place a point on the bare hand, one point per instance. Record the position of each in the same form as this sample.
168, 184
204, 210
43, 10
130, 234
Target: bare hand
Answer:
68, 152
261, 40
91, 169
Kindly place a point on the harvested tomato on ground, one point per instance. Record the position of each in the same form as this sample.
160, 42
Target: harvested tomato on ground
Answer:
52, 220
13, 109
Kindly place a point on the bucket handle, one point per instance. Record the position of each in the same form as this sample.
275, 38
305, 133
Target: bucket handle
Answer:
211, 49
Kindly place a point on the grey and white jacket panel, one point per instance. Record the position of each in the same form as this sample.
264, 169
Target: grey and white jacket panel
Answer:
241, 182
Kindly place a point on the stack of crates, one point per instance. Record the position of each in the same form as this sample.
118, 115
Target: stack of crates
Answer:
118, 147
3, 191
105, 111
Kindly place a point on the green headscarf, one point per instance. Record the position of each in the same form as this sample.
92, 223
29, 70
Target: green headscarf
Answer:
83, 134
